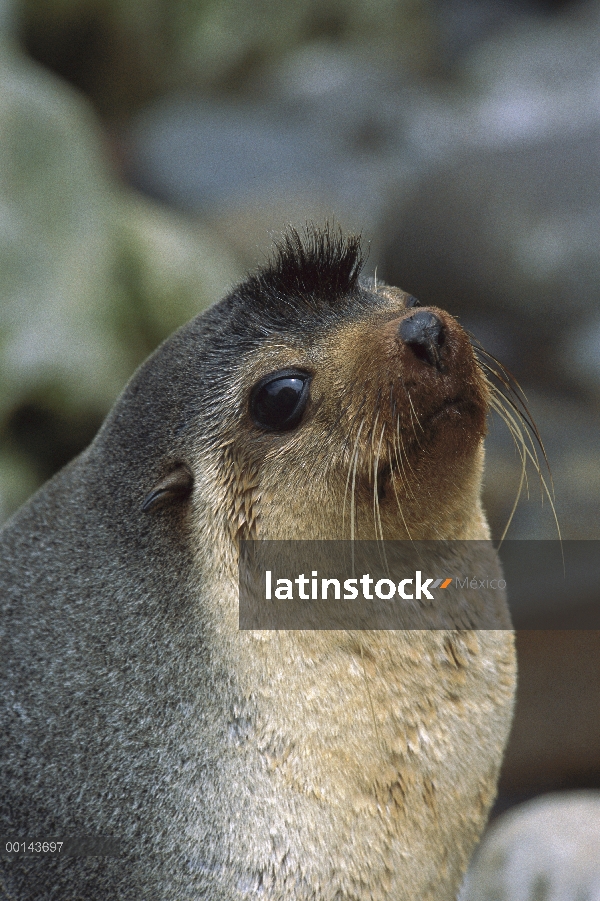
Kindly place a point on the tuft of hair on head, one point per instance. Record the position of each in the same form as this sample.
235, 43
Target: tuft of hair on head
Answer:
319, 262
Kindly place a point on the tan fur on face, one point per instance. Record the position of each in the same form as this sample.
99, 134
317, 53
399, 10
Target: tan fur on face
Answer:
376, 407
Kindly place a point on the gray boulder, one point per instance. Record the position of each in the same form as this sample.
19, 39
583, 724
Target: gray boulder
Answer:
545, 850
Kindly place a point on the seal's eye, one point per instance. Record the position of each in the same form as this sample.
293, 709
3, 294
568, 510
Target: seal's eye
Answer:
278, 401
412, 302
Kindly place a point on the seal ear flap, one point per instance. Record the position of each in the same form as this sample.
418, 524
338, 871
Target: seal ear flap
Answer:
176, 486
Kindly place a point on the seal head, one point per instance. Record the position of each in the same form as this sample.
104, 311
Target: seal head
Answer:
376, 387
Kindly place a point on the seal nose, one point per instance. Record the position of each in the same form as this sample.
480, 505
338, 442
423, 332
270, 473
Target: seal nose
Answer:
424, 333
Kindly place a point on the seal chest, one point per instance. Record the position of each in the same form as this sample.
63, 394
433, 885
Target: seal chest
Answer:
306, 405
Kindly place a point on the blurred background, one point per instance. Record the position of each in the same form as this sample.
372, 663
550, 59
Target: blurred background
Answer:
150, 151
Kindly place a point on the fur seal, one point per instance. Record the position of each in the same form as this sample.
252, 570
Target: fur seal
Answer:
229, 764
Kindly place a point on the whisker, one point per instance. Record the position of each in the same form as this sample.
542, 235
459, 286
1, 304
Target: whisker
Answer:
376, 508
412, 412
353, 493
516, 432
510, 403
515, 437
352, 463
399, 505
403, 452
406, 482
375, 423
516, 397
405, 455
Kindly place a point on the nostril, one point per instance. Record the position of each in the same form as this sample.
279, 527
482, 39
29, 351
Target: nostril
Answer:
424, 333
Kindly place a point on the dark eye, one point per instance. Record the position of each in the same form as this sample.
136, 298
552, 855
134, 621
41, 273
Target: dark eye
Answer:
278, 401
412, 302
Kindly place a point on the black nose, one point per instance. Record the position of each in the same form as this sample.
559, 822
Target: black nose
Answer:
424, 333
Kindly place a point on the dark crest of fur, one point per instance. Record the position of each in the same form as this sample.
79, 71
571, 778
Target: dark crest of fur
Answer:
310, 284
319, 264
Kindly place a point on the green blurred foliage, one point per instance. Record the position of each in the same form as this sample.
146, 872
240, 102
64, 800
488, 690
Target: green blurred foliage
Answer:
92, 277
123, 52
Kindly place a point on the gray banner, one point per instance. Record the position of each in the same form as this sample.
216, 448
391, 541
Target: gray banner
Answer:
419, 585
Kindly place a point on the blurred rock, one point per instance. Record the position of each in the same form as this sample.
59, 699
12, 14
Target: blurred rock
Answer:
173, 266
123, 52
91, 276
326, 141
569, 430
555, 739
546, 849
463, 24
332, 131
580, 356
18, 480
505, 218
7, 17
